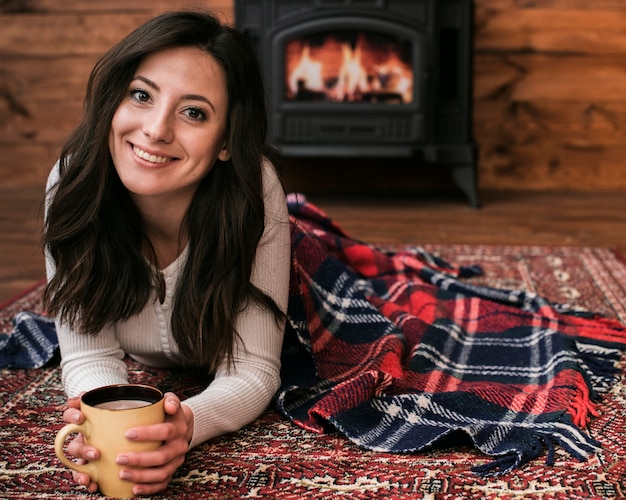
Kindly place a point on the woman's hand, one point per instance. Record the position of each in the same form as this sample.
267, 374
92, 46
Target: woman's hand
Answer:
160, 464
77, 447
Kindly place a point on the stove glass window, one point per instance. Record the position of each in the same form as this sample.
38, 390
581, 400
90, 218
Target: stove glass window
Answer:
349, 66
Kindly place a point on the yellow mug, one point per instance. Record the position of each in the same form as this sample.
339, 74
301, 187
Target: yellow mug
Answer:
109, 412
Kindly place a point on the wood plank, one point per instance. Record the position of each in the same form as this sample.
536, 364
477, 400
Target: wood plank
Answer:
75, 6
548, 166
27, 164
521, 122
563, 30
45, 78
551, 4
37, 35
507, 217
41, 99
39, 122
564, 19
565, 79
521, 77
22, 263
584, 41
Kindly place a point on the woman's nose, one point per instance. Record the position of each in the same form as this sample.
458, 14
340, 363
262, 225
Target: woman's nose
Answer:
158, 126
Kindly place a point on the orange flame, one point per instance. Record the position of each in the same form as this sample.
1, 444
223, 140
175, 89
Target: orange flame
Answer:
307, 70
335, 71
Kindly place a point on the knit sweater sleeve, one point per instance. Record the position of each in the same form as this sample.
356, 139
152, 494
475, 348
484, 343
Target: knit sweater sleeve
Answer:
237, 396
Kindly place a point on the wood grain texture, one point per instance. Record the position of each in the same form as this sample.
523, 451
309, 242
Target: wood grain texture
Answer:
549, 99
89, 6
21, 257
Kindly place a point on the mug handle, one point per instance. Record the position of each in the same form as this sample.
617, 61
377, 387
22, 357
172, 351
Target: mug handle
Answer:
59, 444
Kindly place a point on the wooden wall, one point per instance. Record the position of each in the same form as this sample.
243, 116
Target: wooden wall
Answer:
550, 85
550, 94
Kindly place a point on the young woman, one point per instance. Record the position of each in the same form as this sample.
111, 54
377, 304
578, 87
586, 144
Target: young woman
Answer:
167, 236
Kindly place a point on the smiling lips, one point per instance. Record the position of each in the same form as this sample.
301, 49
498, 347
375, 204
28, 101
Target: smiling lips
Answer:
149, 157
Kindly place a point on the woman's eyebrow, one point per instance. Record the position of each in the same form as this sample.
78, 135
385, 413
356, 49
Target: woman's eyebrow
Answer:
191, 97
198, 97
148, 82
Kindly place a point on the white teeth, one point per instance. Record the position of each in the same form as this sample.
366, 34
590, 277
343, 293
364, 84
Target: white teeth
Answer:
148, 157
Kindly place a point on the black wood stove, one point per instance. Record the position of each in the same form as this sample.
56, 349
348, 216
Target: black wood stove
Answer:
368, 78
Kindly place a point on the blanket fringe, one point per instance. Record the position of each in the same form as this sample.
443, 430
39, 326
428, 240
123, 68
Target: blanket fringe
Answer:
571, 440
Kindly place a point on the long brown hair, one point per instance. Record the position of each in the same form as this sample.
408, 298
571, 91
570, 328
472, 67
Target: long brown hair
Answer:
94, 232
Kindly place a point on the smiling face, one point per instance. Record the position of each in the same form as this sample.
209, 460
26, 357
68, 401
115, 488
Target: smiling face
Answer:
170, 128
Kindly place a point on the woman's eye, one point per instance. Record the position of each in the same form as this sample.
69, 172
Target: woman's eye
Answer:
140, 95
196, 114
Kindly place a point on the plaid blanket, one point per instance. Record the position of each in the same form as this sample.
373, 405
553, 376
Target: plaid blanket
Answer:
397, 352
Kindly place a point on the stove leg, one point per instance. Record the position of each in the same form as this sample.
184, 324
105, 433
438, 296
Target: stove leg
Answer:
464, 174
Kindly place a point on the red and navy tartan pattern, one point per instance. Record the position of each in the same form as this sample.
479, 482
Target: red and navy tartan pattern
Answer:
399, 353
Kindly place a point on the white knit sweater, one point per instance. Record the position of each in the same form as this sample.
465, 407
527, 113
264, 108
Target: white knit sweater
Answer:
234, 398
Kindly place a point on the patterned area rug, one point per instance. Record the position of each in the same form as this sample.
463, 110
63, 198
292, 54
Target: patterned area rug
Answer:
273, 458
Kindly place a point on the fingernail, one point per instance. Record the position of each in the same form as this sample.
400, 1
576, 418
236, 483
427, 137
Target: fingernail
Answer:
75, 417
122, 460
125, 474
91, 455
131, 434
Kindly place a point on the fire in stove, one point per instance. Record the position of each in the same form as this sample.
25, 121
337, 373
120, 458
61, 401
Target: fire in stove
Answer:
349, 66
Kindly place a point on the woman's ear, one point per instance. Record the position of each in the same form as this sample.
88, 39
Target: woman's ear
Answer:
224, 154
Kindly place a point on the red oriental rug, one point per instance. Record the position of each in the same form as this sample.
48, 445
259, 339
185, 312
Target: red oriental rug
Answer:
273, 458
